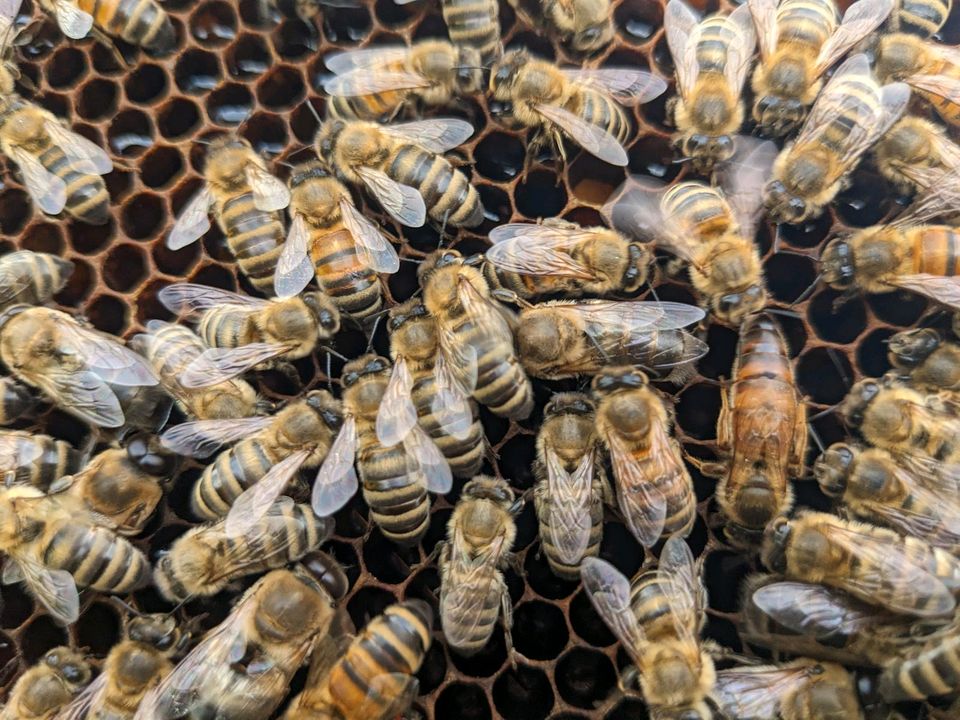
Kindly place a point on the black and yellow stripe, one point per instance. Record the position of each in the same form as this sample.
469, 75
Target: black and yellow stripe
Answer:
139, 22
255, 236
601, 110
56, 459
936, 250
702, 206
920, 17
464, 455
96, 557
446, 191
353, 286
476, 24
809, 23
933, 671
87, 197
41, 275
377, 106
233, 471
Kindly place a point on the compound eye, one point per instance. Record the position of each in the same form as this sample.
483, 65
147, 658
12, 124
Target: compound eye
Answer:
798, 206
698, 142
768, 103
724, 143
591, 34
728, 303
502, 75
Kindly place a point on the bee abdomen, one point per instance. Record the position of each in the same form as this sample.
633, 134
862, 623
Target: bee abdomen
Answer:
936, 250
224, 327
808, 22
545, 516
936, 671
97, 558
353, 286
140, 22
398, 499
15, 401
474, 23
446, 191
256, 238
87, 197
920, 17
483, 619
606, 113
230, 474
702, 205
714, 44
464, 455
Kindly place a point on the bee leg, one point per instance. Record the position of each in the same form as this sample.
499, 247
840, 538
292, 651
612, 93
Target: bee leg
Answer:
724, 423
506, 605
671, 110
628, 680
287, 369
107, 41
674, 267
561, 152
715, 469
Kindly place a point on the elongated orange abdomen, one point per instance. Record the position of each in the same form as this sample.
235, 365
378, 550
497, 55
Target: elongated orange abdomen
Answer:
936, 249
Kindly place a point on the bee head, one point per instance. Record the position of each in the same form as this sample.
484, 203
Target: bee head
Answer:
490, 488
304, 172
324, 311
733, 308
323, 403
572, 403
832, 469
328, 573
504, 74
326, 138
11, 312
437, 260
69, 664
619, 378
857, 401
146, 452
775, 540
779, 116
909, 348
782, 205
468, 73
159, 631
408, 311
837, 264
705, 151
364, 366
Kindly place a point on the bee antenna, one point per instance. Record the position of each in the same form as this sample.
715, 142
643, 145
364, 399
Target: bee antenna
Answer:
839, 367
313, 111
244, 121
284, 163
411, 260
816, 437
373, 332
823, 413
783, 311
809, 291
123, 605
653, 290
331, 351
297, 152
680, 161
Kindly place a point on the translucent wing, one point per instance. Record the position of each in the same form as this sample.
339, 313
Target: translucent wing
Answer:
814, 610
532, 249
402, 202
16, 451
570, 495
55, 589
462, 603
634, 316
942, 86
84, 156
860, 19
748, 693
936, 201
336, 482
643, 506
254, 502
429, 460
192, 298
73, 22
47, 190
450, 404
944, 290
397, 414
592, 138
269, 194
9, 9
609, 592
739, 51
373, 248
743, 178
295, 269
341, 62
626, 85
201, 438
389, 695
372, 80
436, 135
765, 21
92, 697
82, 392
215, 365
103, 355
682, 29
193, 221
677, 573
937, 518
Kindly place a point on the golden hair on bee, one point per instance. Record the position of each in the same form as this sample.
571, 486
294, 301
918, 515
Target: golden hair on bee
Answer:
47, 686
931, 69
143, 23
915, 154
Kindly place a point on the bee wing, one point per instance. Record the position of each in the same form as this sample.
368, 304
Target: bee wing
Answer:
625, 85
765, 21
193, 298
83, 392
592, 138
55, 589
683, 31
93, 696
740, 50
643, 506
450, 404
372, 80
388, 695
16, 452
944, 290
939, 475
532, 249
609, 593
743, 178
336, 482
860, 19
677, 572
73, 22
84, 155
397, 414
944, 526
570, 492
755, 693
215, 365
939, 199
635, 316
341, 62
269, 194
193, 221
373, 248
107, 358
402, 202
201, 438
814, 610
295, 269
436, 135
942, 86
255, 502
428, 460
466, 598
47, 190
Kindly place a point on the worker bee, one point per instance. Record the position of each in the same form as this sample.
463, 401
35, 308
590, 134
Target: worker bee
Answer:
143, 23
582, 26
246, 201
558, 257
873, 564
448, 417
933, 70
799, 41
54, 547
331, 239
374, 679
709, 228
32, 278
378, 83
654, 489
473, 24
712, 59
561, 339
36, 459
473, 593
923, 18
245, 332
61, 170
80, 369
874, 487
16, 401
583, 105
928, 671
170, 349
146, 655
930, 361
475, 333
657, 619
761, 433
915, 154
571, 483
206, 559
851, 113
402, 166
47, 686
242, 668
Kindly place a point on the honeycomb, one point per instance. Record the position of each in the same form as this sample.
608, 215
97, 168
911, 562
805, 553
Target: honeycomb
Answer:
233, 66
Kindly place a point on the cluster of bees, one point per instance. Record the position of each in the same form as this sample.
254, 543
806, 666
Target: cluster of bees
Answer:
873, 585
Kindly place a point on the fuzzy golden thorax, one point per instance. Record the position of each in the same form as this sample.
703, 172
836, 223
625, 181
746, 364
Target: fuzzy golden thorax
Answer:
227, 160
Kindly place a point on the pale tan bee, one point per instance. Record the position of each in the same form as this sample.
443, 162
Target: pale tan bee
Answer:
916, 153
47, 686
36, 459
932, 69
930, 670
143, 22
32, 278
582, 26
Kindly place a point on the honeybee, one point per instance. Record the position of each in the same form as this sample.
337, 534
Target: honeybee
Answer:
331, 239
712, 59
708, 227
206, 559
761, 433
928, 671
657, 619
874, 487
561, 339
146, 655
61, 170
923, 18
850, 114
80, 369
571, 483
36, 459
32, 278
931, 362
374, 679
47, 686
475, 333
473, 593
799, 41
582, 105
16, 402
246, 201
558, 257
245, 332
143, 23
448, 417
54, 547
476, 25
915, 154
654, 489
402, 166
933, 70
874, 564
242, 668
170, 349
378, 83
583, 26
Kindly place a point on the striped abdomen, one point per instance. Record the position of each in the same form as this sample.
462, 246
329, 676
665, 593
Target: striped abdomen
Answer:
670, 477
702, 206
933, 671
601, 110
40, 275
353, 286
475, 23
716, 37
87, 197
947, 108
652, 609
546, 515
256, 238
483, 583
379, 106
56, 459
139, 22
230, 474
96, 557
808, 23
15, 401
446, 191
920, 17
936, 249
132, 668
861, 98
226, 327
